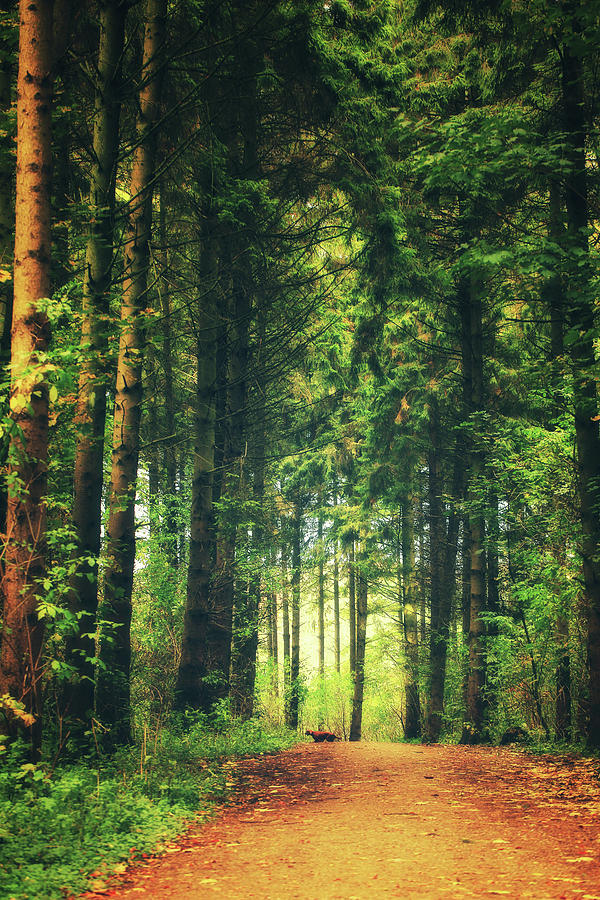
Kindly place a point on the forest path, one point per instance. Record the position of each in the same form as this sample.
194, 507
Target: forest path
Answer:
391, 820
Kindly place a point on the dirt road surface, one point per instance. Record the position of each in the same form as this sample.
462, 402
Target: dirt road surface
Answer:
357, 821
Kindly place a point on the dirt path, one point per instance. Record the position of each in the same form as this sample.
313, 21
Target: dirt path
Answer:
391, 820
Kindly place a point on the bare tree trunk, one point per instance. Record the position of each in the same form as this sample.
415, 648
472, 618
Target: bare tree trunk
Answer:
91, 402
22, 637
473, 732
352, 605
294, 697
438, 632
245, 643
285, 612
7, 250
361, 638
412, 724
196, 687
113, 691
321, 578
581, 299
336, 607
170, 454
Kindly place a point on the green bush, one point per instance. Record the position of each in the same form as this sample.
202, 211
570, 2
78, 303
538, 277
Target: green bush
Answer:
57, 828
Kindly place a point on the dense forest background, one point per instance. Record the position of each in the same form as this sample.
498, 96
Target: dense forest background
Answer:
299, 324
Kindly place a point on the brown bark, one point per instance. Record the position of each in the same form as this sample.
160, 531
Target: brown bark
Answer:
581, 300
408, 616
437, 632
285, 614
91, 402
245, 645
196, 686
170, 454
22, 638
473, 732
113, 695
361, 638
321, 598
352, 605
336, 607
294, 692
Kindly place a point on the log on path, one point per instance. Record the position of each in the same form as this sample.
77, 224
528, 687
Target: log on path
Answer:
391, 820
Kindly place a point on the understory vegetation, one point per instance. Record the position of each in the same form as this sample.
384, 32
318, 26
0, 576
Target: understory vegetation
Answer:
66, 828
299, 422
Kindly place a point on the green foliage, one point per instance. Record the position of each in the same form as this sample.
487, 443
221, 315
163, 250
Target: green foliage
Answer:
61, 828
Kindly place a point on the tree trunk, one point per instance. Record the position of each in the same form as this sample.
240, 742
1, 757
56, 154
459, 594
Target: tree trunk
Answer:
438, 634
352, 605
22, 638
170, 454
245, 643
321, 579
285, 613
473, 732
361, 638
412, 722
580, 296
113, 694
91, 402
196, 686
553, 294
294, 697
336, 607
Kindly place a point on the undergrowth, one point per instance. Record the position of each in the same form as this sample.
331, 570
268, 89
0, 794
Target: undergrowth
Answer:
63, 831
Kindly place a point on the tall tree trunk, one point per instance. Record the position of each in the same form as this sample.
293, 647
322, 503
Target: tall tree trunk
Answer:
273, 639
285, 614
170, 454
196, 686
294, 696
91, 401
361, 639
113, 692
22, 637
580, 298
554, 296
473, 732
352, 605
465, 598
336, 607
245, 643
412, 722
7, 250
321, 579
438, 630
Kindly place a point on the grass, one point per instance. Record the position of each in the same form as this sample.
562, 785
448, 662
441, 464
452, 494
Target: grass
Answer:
63, 832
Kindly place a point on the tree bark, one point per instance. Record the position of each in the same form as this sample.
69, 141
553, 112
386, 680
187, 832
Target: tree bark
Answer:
170, 453
581, 298
473, 732
321, 579
285, 613
412, 722
352, 605
197, 686
336, 607
113, 692
245, 644
294, 693
361, 639
91, 402
438, 630
22, 637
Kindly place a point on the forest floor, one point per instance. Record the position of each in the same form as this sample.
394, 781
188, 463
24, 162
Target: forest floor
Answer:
369, 820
